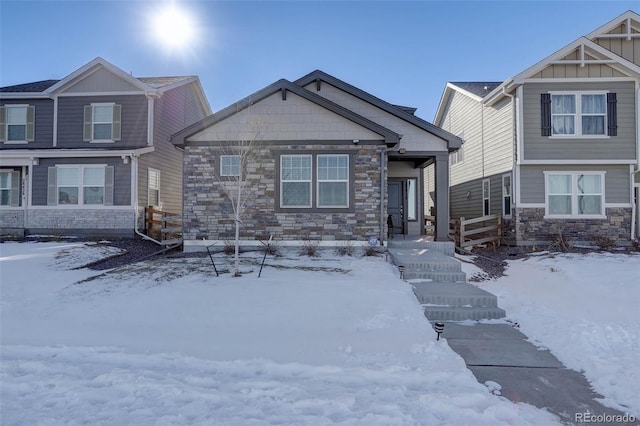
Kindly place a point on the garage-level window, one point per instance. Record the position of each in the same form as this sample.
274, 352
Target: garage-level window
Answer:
80, 185
574, 194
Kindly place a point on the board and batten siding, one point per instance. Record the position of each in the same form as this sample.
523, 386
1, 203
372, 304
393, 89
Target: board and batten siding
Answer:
175, 110
43, 123
133, 122
121, 177
628, 49
616, 180
620, 147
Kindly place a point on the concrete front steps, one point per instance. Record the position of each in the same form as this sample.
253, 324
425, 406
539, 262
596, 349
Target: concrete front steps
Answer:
439, 283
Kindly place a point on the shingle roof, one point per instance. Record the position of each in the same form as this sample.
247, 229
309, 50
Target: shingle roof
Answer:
478, 88
35, 87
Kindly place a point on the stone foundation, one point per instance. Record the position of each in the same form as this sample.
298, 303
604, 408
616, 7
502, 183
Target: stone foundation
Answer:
81, 222
531, 227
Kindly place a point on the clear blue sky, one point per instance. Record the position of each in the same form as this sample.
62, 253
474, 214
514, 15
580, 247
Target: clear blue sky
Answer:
402, 52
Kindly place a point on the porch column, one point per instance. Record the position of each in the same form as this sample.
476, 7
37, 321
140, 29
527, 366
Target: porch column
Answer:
442, 197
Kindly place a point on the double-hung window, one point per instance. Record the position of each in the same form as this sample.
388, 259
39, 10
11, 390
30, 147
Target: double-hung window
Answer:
9, 188
154, 188
80, 185
486, 197
318, 181
574, 194
579, 114
17, 123
295, 180
102, 122
333, 180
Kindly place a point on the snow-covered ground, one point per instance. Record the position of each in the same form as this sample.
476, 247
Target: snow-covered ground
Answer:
586, 310
334, 340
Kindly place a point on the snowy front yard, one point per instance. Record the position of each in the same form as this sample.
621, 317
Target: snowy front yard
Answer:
334, 340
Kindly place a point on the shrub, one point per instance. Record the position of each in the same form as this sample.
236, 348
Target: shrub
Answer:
604, 243
372, 251
560, 241
346, 249
309, 248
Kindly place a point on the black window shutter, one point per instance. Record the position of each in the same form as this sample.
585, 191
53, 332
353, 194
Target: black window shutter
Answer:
612, 114
545, 113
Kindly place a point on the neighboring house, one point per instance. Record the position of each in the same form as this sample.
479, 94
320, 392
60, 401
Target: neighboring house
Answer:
555, 148
84, 155
331, 163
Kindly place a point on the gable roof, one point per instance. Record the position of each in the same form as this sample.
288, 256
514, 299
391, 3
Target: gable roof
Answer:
453, 141
147, 85
588, 52
477, 88
179, 139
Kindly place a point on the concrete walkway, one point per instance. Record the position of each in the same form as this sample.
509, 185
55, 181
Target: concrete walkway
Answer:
498, 353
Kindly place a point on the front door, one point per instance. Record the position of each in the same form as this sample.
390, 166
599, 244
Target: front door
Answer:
395, 208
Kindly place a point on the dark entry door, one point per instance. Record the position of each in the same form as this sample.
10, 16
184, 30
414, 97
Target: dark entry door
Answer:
395, 208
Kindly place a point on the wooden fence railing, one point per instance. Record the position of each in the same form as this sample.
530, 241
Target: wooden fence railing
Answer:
163, 226
473, 232
429, 225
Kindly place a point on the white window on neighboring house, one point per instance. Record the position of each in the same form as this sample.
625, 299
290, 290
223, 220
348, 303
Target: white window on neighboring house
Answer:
230, 165
333, 180
457, 156
295, 180
80, 185
574, 194
17, 123
486, 197
102, 122
578, 114
9, 188
154, 188
506, 195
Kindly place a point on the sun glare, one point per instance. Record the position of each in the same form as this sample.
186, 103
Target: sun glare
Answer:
173, 27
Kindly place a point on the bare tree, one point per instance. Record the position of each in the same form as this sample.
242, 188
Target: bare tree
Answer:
236, 154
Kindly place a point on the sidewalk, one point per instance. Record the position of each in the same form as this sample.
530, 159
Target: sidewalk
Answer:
498, 354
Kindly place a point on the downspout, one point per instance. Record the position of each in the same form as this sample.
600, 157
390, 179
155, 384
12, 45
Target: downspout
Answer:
134, 196
383, 186
634, 202
515, 150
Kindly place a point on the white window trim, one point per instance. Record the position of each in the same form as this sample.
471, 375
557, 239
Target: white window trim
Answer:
10, 188
318, 181
230, 156
93, 123
504, 176
6, 136
578, 115
149, 189
487, 198
574, 195
309, 181
81, 185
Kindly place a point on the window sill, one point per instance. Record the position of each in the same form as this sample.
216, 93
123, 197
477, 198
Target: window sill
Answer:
16, 142
588, 137
584, 216
102, 141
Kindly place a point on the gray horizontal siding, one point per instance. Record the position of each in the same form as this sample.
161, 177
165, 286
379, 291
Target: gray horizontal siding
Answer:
43, 123
121, 183
616, 181
175, 110
466, 199
133, 119
537, 147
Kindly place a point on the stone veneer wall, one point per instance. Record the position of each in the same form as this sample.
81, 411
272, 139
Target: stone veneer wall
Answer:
532, 228
12, 223
207, 212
